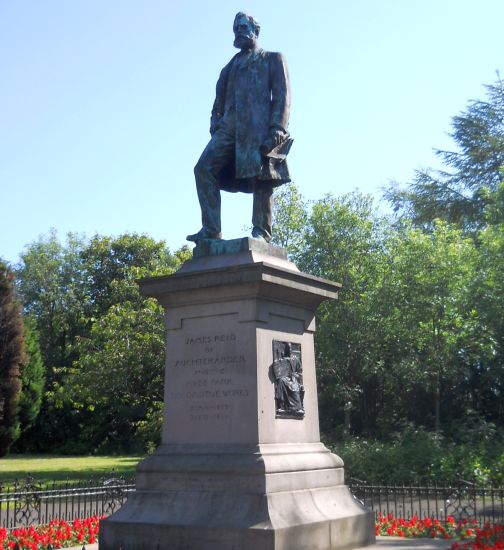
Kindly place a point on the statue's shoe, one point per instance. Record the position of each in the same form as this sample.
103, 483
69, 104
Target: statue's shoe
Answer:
203, 235
260, 235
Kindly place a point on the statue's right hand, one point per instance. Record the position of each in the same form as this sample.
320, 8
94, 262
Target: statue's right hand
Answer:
275, 137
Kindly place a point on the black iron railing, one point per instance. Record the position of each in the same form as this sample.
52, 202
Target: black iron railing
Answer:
30, 502
461, 500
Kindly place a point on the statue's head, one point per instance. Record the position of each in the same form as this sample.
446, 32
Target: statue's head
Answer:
246, 30
287, 349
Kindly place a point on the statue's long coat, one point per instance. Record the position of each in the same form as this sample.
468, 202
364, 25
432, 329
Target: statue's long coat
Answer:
259, 93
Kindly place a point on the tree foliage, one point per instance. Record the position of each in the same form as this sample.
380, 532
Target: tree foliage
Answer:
345, 242
82, 294
409, 341
290, 216
125, 348
432, 324
487, 380
461, 192
110, 267
12, 357
32, 378
51, 288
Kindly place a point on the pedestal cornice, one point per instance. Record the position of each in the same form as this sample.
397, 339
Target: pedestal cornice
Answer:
258, 279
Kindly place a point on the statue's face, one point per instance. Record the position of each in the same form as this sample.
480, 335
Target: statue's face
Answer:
245, 36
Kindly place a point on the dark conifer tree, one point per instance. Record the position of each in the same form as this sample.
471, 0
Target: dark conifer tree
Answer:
32, 377
463, 191
12, 358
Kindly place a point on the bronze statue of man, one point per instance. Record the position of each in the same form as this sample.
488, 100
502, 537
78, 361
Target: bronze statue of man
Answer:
249, 144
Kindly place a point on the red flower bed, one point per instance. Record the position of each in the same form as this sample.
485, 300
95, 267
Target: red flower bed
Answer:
468, 535
59, 533
489, 538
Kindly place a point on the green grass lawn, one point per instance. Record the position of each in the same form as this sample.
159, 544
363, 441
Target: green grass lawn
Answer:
60, 468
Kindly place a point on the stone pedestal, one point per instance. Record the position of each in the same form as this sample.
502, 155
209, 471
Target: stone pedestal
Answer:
230, 473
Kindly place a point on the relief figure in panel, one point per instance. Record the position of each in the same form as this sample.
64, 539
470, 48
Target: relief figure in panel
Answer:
288, 379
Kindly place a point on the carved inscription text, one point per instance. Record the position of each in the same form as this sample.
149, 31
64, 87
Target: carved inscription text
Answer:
209, 377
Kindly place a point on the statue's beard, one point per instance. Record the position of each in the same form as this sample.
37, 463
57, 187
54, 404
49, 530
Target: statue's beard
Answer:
244, 42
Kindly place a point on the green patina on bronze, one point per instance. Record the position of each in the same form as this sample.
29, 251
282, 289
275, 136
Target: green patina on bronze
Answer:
250, 139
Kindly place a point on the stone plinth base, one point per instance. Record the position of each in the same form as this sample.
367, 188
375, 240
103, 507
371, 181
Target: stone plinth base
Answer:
273, 497
234, 472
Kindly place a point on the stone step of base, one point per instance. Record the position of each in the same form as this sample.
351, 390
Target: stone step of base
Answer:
382, 543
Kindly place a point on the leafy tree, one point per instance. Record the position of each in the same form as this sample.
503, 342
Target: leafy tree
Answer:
52, 291
125, 344
486, 384
290, 215
112, 265
118, 378
345, 242
32, 378
12, 358
433, 331
181, 255
400, 343
72, 289
51, 287
460, 193
470, 193
416, 456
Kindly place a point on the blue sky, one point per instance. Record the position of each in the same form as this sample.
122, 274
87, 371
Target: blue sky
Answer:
105, 104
